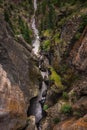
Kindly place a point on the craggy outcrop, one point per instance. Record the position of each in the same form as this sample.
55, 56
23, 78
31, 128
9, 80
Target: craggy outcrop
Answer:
79, 53
73, 124
63, 32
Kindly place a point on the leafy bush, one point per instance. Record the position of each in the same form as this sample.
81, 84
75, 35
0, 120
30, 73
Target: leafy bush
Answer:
47, 33
57, 38
66, 109
46, 45
45, 107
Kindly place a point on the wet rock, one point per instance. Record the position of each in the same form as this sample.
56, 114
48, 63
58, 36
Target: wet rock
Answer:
44, 93
35, 109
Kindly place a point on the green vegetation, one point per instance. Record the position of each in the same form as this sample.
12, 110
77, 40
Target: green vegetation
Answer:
45, 107
1, 1
56, 38
24, 30
56, 120
83, 23
77, 36
81, 27
61, 3
47, 33
65, 96
68, 75
46, 45
27, 5
56, 78
66, 109
50, 17
6, 15
77, 114
18, 17
7, 19
63, 68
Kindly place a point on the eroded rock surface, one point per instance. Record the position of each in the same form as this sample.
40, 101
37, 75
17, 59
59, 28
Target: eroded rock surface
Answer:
18, 79
79, 52
72, 124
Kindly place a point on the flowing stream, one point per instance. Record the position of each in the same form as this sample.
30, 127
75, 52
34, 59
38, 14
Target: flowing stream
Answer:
36, 43
36, 104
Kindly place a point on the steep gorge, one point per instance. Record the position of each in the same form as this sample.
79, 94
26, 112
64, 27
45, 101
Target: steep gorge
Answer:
61, 38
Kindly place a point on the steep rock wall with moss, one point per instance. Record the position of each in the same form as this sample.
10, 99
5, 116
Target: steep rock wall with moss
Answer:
62, 26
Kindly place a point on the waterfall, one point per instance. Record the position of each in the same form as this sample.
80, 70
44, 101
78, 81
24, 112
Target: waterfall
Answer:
35, 5
36, 104
36, 43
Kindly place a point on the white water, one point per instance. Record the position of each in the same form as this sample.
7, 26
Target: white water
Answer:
36, 43
35, 5
35, 107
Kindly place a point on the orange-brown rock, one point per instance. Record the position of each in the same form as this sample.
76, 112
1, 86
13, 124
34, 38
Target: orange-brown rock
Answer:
79, 52
73, 124
12, 103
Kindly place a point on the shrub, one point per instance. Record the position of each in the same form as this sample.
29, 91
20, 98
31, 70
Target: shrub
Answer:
66, 109
65, 95
47, 33
56, 78
57, 38
46, 45
77, 36
56, 120
45, 107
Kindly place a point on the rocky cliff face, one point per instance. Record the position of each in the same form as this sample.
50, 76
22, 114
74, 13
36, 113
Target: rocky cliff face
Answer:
73, 124
64, 42
79, 53
63, 33
18, 79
